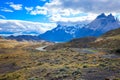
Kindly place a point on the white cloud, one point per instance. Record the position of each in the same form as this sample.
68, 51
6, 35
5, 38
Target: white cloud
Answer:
15, 6
39, 10
7, 10
2, 17
22, 27
94, 6
57, 18
29, 9
74, 10
71, 10
56, 13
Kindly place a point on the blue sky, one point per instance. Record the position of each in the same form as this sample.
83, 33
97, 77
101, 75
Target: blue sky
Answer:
40, 11
16, 9
50, 12
56, 10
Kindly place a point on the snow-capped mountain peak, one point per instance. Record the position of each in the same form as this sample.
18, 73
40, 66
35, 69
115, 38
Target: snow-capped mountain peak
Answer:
104, 23
70, 28
66, 32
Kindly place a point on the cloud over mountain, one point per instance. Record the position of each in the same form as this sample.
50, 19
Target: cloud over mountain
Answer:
24, 27
76, 10
95, 6
58, 10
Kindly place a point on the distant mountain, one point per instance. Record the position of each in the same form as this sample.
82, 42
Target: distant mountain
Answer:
64, 33
1, 37
104, 23
24, 38
97, 27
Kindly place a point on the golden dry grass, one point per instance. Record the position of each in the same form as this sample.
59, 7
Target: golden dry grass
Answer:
20, 61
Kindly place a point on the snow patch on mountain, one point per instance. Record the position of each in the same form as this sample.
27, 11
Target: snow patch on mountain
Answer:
70, 27
67, 31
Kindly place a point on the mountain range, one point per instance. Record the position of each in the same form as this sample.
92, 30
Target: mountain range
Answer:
24, 38
66, 32
97, 27
109, 41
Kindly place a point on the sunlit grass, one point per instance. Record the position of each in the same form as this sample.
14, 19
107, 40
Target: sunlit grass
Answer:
23, 62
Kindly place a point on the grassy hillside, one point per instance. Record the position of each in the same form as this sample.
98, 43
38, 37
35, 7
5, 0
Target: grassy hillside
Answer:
81, 42
110, 40
112, 33
20, 61
75, 43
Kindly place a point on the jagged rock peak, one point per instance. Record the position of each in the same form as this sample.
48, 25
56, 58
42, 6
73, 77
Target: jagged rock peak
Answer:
101, 16
111, 17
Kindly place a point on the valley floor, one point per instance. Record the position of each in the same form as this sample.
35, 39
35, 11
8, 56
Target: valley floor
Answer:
21, 61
